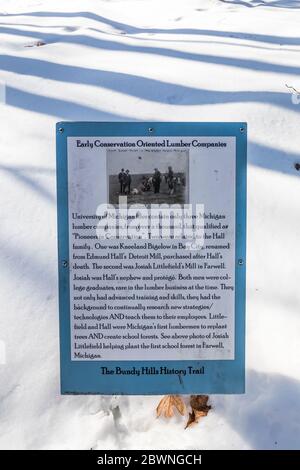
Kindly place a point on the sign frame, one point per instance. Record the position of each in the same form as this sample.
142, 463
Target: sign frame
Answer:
84, 377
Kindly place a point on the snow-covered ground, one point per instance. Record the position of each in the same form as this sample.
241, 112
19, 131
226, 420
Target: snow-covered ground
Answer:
198, 60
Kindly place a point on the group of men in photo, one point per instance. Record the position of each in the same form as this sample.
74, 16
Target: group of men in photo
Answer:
149, 183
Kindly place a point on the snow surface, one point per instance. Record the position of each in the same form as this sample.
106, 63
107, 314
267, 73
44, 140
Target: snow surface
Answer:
201, 60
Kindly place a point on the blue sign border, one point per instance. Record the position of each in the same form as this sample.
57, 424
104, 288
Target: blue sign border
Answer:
84, 377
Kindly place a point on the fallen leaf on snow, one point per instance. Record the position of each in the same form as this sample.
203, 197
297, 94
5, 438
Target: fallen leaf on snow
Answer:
166, 405
200, 408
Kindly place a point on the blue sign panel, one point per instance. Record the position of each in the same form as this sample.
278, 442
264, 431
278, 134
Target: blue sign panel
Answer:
151, 256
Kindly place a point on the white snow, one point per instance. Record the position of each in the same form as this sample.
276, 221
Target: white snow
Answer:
198, 60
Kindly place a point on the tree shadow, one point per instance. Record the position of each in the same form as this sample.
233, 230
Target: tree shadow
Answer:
259, 155
70, 29
62, 109
251, 64
27, 176
132, 85
272, 158
268, 415
178, 40
294, 4
129, 29
110, 45
248, 4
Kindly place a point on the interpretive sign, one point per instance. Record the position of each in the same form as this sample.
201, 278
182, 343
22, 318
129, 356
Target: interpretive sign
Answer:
151, 237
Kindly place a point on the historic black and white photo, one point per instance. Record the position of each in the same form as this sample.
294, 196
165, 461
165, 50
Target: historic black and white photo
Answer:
148, 176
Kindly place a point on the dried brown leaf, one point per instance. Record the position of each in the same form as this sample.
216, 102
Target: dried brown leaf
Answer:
179, 404
199, 409
191, 420
199, 402
166, 405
